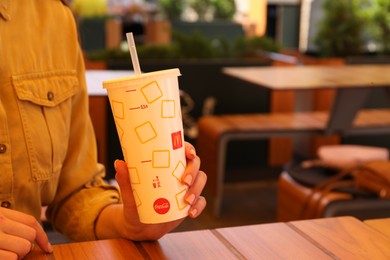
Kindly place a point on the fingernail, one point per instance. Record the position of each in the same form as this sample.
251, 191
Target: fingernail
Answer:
193, 153
190, 199
188, 180
193, 212
49, 248
115, 163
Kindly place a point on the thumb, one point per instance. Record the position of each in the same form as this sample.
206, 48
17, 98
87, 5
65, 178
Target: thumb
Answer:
123, 178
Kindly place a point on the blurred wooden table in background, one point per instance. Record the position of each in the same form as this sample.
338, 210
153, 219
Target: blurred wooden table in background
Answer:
341, 90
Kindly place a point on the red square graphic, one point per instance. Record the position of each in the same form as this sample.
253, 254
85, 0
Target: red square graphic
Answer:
177, 141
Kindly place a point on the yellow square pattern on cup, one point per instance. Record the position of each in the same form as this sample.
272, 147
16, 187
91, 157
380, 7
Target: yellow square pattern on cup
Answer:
134, 176
152, 92
168, 109
138, 201
124, 153
145, 132
120, 131
181, 203
161, 159
178, 171
118, 109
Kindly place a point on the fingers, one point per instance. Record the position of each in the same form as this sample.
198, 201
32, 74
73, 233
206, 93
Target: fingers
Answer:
190, 151
197, 207
196, 188
8, 255
123, 178
196, 180
193, 165
121, 173
197, 202
41, 237
14, 245
18, 232
18, 229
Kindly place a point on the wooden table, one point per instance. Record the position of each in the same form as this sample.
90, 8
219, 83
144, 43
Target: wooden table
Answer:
312, 77
329, 238
351, 82
382, 225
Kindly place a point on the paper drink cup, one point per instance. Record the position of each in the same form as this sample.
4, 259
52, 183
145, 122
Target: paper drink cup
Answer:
148, 119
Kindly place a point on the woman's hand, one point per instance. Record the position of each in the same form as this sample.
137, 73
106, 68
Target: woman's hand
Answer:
18, 233
127, 224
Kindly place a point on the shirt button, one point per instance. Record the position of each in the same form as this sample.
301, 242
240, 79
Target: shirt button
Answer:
6, 204
50, 96
3, 148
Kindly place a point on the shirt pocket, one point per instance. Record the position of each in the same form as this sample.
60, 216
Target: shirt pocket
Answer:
45, 105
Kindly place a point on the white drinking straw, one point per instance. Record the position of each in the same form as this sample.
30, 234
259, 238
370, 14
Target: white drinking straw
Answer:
133, 53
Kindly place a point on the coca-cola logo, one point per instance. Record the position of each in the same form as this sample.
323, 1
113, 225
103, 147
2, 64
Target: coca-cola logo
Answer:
161, 206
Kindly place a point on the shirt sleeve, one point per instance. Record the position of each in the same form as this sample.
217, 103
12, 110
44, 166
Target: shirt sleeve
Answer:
77, 216
81, 193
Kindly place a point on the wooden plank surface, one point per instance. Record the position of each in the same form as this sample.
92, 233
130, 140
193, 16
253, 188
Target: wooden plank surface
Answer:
271, 241
327, 238
345, 238
382, 225
292, 121
314, 77
372, 117
195, 245
117, 249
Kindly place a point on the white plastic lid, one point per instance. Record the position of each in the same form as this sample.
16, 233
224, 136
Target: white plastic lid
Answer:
123, 82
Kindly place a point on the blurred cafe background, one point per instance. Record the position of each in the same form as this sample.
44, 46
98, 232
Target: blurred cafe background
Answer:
201, 38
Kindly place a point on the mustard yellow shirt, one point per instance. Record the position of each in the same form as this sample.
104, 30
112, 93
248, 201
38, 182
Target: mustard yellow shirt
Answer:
47, 145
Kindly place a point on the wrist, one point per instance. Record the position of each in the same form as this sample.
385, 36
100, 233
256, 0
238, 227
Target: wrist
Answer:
110, 223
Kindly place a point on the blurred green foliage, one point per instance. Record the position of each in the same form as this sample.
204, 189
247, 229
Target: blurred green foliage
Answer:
340, 30
224, 9
347, 26
380, 15
194, 46
221, 9
254, 46
172, 8
200, 7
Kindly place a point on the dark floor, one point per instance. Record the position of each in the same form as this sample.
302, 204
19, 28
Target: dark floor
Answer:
249, 197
